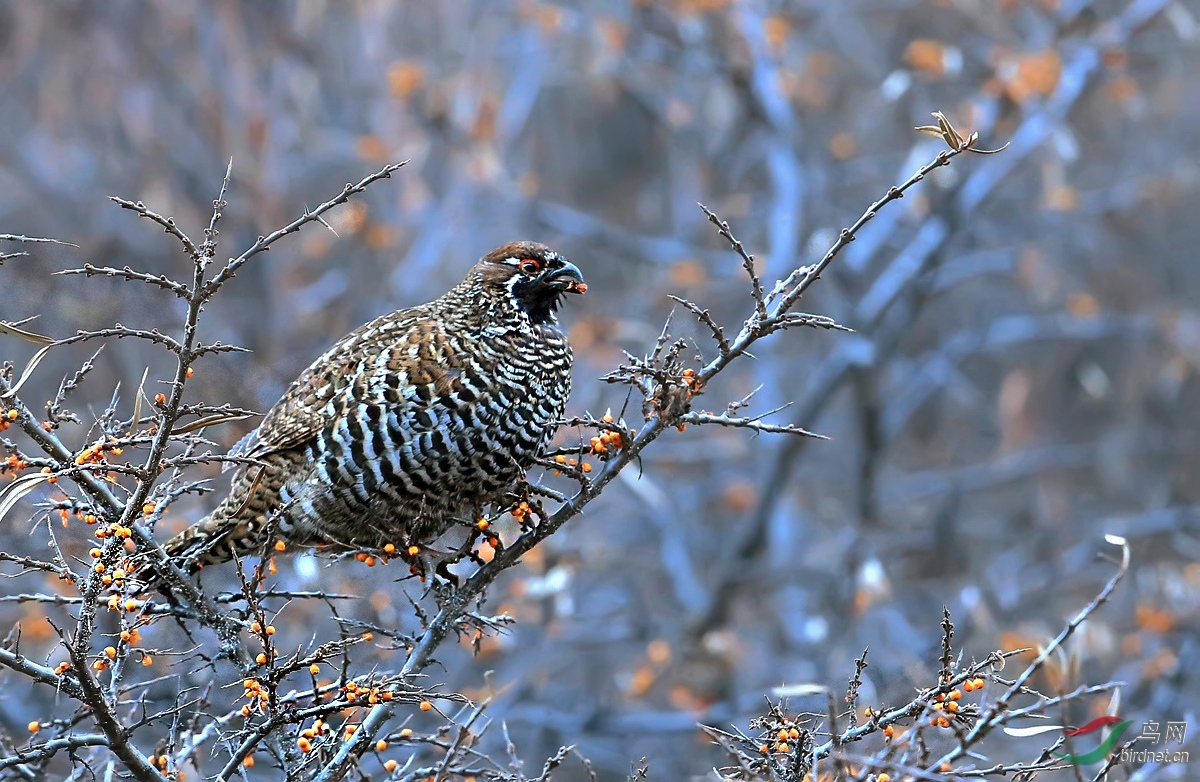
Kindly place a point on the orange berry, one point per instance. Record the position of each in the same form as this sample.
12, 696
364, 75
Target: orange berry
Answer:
95, 553
781, 747
314, 669
280, 545
100, 665
782, 735
968, 685
248, 762
304, 744
270, 629
889, 731
390, 766
147, 661
793, 734
261, 659
390, 548
955, 695
160, 399
350, 731
426, 706
131, 605
148, 508
763, 748
255, 627
413, 551
586, 467
380, 745
885, 777
406, 733
190, 372
368, 636
482, 524
110, 652
34, 726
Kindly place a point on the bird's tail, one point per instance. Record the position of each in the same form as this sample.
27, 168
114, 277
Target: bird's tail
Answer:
238, 527
213, 540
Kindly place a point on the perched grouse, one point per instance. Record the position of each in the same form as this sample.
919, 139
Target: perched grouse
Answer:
415, 420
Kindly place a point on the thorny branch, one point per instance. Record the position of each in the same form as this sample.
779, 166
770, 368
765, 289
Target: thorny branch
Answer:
124, 499
667, 388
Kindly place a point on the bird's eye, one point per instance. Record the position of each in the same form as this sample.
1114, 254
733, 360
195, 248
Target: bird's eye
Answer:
531, 266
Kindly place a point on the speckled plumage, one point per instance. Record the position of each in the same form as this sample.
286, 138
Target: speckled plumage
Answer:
411, 422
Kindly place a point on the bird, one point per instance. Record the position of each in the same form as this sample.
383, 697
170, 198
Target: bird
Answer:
409, 424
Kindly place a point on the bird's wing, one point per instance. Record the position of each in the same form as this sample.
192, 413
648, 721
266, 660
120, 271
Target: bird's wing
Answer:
304, 409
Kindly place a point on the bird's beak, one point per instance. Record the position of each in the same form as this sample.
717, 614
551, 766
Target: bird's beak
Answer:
567, 278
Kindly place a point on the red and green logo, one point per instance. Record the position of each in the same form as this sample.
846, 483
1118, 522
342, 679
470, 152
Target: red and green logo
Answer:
1096, 755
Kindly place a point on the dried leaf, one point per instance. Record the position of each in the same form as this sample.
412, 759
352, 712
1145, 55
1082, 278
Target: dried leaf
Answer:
211, 420
798, 690
18, 489
33, 362
137, 401
29, 336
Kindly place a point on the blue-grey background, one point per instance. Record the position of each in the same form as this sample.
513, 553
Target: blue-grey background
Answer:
1023, 378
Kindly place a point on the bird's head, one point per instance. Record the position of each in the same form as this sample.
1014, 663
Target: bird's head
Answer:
530, 276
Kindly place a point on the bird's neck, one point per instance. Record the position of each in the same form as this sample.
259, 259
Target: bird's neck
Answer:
492, 309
